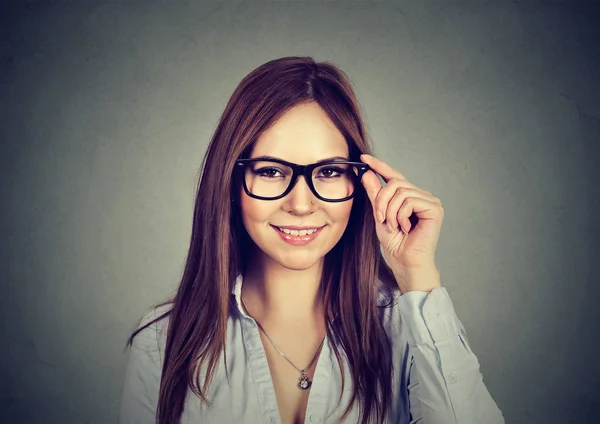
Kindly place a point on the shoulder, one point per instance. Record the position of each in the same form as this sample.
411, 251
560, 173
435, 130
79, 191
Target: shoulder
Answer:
388, 304
153, 333
387, 294
141, 385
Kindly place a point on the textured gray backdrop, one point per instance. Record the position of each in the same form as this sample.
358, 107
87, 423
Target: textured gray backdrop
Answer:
107, 109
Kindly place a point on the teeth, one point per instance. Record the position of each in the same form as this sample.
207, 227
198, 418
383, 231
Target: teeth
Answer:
297, 232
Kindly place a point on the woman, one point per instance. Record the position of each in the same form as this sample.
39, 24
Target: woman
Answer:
287, 311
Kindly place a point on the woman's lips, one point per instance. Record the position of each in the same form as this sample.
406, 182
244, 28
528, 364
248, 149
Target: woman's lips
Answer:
297, 240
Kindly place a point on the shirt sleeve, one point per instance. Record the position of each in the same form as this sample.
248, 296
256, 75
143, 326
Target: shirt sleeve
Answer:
445, 385
139, 395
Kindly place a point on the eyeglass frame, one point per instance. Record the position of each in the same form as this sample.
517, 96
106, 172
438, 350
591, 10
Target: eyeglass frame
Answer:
304, 170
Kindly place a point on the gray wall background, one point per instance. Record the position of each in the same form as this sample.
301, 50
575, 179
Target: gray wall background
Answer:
107, 109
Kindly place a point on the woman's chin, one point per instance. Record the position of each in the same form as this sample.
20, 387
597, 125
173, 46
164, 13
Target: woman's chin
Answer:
298, 262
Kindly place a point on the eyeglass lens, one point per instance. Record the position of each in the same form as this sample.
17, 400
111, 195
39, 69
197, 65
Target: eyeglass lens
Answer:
271, 179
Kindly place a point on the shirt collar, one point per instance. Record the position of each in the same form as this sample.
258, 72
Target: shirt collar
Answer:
384, 294
237, 292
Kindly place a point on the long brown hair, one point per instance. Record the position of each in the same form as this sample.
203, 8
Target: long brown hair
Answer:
200, 309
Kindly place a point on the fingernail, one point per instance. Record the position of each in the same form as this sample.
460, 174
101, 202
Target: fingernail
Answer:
380, 216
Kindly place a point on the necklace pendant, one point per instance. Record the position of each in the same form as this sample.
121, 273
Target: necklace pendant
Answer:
304, 382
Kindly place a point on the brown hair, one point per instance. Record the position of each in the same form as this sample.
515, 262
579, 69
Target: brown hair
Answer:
200, 309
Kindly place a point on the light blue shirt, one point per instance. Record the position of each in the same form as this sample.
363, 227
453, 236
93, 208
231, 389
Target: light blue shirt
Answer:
436, 376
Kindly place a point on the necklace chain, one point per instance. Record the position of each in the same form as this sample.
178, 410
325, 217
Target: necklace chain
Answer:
301, 371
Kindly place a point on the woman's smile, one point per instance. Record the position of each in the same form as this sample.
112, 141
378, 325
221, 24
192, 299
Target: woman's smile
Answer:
298, 237
304, 134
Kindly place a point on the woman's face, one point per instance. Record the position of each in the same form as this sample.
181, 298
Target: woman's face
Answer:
303, 135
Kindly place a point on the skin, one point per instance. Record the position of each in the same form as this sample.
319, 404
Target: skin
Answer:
281, 286
283, 281
408, 249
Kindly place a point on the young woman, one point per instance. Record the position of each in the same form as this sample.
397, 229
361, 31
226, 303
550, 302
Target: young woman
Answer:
287, 310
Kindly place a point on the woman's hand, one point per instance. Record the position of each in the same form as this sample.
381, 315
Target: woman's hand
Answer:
408, 221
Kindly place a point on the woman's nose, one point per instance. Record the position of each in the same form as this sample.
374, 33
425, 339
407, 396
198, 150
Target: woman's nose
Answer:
301, 199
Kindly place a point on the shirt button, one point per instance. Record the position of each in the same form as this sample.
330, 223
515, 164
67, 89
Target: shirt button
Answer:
452, 377
314, 419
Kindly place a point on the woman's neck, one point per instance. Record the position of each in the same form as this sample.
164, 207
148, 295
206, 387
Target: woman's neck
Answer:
277, 294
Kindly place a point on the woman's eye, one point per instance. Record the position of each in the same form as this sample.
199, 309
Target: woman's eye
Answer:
267, 172
331, 172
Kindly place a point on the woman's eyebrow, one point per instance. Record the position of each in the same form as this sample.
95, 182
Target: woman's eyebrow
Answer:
267, 157
333, 158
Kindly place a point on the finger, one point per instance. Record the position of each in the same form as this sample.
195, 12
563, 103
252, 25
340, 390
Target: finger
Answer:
391, 189
382, 168
386, 193
393, 206
424, 209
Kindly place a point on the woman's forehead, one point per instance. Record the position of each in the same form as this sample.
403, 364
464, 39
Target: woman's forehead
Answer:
303, 132
309, 152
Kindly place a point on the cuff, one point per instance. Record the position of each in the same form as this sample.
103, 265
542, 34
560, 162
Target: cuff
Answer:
428, 316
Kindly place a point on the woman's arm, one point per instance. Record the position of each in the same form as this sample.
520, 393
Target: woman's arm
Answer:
139, 396
445, 384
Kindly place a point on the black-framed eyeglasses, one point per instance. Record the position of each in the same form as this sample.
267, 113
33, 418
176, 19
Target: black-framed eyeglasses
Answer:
272, 178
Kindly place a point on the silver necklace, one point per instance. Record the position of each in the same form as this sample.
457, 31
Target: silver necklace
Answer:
303, 382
